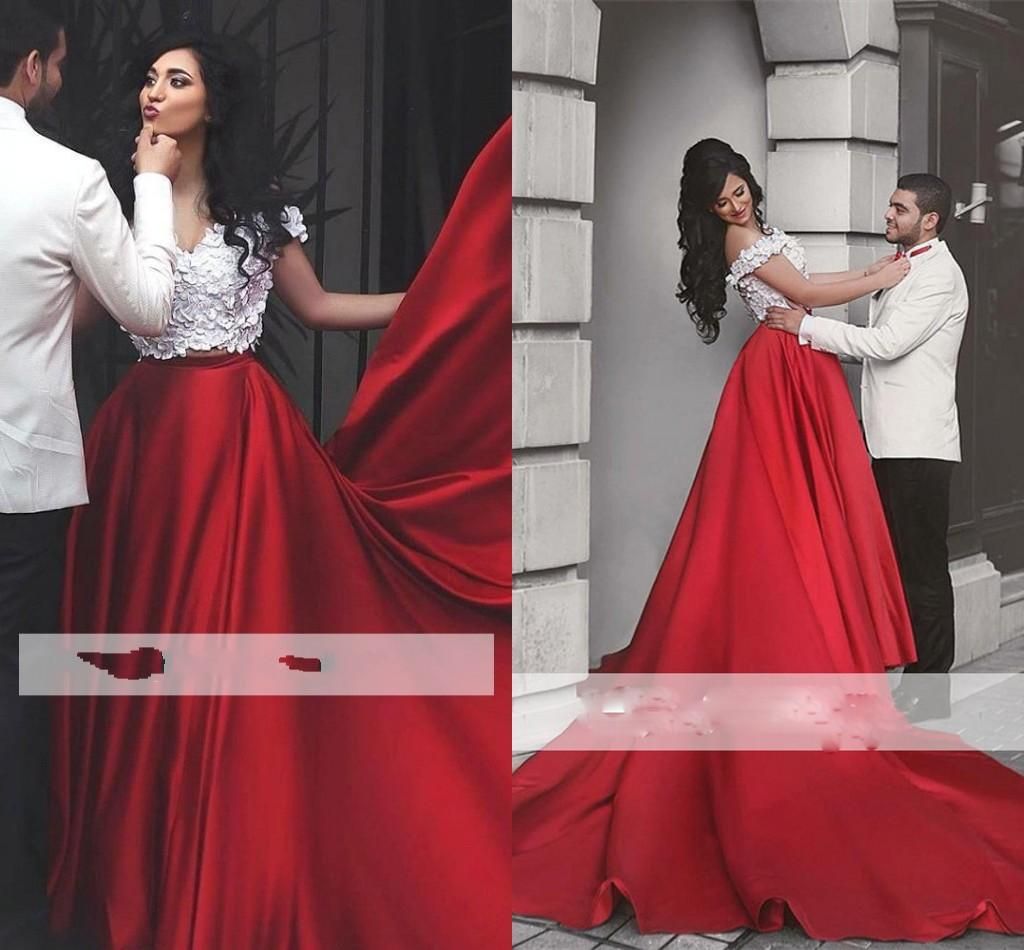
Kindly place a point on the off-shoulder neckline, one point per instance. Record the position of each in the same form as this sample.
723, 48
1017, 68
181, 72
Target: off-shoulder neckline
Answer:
216, 229
748, 251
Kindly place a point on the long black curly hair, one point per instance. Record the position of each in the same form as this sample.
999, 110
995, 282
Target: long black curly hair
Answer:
702, 273
244, 193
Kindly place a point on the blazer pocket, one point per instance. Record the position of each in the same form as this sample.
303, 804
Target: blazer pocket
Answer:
63, 431
21, 444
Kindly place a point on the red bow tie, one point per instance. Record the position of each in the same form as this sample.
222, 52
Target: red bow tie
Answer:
917, 250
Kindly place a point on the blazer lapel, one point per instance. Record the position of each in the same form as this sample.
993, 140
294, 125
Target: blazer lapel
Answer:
889, 298
892, 296
880, 300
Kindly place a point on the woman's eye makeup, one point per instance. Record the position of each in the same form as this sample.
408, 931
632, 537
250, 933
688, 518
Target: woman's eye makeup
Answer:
177, 82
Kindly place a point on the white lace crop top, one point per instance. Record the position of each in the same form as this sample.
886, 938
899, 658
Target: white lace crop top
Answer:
214, 308
756, 294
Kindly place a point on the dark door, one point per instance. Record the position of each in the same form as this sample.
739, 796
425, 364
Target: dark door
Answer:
957, 93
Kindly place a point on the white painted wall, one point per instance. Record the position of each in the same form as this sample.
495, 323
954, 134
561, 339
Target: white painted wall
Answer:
670, 74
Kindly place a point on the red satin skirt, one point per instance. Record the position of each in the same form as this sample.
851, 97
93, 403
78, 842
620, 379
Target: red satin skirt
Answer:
781, 562
302, 823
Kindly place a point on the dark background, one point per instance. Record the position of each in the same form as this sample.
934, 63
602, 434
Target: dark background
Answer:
379, 106
961, 98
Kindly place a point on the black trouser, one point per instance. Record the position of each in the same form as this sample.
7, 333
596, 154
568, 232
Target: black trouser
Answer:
31, 570
915, 496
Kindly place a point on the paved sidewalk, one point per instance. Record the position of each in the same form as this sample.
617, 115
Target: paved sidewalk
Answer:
620, 931
999, 707
1009, 658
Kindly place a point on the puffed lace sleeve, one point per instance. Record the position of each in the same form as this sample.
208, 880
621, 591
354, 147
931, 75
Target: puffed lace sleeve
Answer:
291, 219
751, 258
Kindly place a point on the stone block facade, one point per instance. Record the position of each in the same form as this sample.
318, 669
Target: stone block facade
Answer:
554, 57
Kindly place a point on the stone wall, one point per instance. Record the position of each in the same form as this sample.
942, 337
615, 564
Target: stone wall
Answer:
554, 58
671, 73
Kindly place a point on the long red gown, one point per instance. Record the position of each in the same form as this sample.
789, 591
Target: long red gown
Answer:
302, 823
781, 563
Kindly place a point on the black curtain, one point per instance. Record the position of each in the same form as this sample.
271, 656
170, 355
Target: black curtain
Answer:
446, 91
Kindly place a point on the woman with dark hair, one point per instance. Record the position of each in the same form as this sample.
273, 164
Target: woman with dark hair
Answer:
720, 221
277, 821
781, 564
206, 91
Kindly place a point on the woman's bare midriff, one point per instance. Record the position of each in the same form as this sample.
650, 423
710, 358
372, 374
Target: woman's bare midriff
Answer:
203, 354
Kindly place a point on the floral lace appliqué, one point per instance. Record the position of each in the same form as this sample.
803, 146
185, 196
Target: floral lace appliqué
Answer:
755, 293
214, 308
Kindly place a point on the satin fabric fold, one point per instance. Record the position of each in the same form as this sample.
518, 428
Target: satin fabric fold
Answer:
781, 562
300, 823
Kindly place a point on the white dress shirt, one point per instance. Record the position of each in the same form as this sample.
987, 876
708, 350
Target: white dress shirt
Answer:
60, 222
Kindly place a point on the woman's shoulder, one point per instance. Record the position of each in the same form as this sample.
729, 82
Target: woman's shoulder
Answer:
290, 218
742, 242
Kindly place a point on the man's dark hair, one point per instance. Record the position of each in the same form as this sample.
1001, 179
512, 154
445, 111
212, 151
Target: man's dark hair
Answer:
932, 194
27, 25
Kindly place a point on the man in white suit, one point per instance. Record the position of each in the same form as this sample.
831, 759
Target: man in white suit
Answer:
59, 223
908, 401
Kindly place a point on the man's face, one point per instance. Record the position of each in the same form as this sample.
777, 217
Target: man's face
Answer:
903, 220
51, 78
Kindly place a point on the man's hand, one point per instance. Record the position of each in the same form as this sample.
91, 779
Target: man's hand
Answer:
156, 153
785, 318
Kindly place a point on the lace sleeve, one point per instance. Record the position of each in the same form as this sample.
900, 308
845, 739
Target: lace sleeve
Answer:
291, 219
751, 258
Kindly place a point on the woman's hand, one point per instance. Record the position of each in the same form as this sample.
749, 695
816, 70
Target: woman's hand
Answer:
889, 275
879, 264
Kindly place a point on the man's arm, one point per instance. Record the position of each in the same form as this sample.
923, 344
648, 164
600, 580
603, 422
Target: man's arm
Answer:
131, 277
911, 323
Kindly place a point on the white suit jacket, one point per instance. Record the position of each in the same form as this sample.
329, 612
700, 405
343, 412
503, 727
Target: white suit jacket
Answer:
909, 349
60, 222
